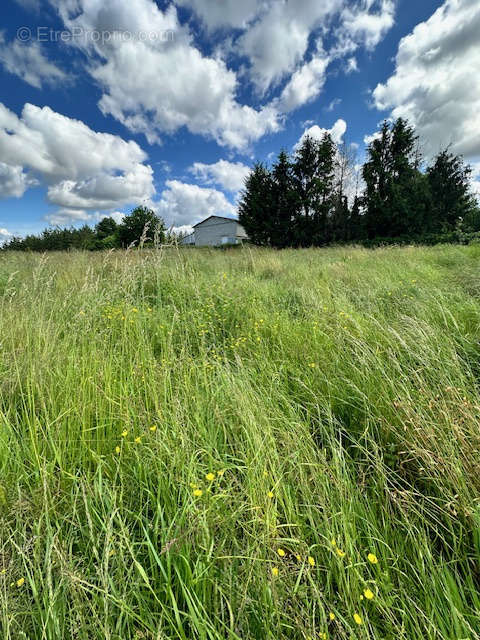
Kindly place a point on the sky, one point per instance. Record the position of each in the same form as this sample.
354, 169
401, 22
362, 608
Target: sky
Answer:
107, 104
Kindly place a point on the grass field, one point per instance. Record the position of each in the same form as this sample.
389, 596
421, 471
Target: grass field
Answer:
246, 444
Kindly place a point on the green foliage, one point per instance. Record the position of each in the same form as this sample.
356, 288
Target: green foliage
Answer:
255, 210
452, 200
106, 235
140, 226
304, 201
334, 395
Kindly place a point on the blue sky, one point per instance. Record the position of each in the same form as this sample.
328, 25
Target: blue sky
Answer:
106, 104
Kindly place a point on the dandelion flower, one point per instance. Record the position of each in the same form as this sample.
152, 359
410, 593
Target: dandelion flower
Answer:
357, 618
124, 433
117, 449
198, 493
368, 594
153, 428
210, 477
372, 558
281, 552
331, 615
311, 561
340, 553
275, 571
298, 557
20, 582
270, 494
138, 439
323, 636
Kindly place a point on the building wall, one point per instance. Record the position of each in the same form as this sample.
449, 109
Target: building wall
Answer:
218, 231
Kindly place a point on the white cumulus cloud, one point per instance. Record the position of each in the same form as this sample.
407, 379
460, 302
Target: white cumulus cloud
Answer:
14, 181
154, 84
337, 132
28, 62
83, 169
228, 175
436, 84
181, 203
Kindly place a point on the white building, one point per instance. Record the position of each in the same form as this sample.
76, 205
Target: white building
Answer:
215, 231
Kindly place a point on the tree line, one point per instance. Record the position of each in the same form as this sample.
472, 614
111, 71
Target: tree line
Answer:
141, 227
320, 196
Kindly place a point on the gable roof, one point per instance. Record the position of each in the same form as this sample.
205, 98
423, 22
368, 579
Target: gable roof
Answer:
219, 217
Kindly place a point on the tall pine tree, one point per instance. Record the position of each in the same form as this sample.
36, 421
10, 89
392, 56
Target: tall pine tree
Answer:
452, 201
255, 210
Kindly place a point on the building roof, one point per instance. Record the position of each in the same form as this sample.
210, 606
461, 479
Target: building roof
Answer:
219, 217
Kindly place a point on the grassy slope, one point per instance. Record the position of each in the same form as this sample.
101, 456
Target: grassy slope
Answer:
342, 382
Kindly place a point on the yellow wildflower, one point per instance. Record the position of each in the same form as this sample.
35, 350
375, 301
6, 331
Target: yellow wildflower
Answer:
20, 582
298, 557
124, 433
198, 493
221, 472
372, 558
275, 571
357, 618
334, 542
311, 561
193, 485
331, 615
153, 428
340, 553
210, 477
117, 449
138, 439
281, 552
270, 494
368, 594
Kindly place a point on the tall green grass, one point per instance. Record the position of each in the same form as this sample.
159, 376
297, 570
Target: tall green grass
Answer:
334, 395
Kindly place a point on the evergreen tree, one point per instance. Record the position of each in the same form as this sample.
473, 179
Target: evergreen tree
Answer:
255, 209
451, 199
356, 224
284, 203
395, 195
314, 177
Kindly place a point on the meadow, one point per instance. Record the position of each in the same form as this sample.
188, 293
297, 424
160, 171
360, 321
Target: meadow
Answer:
242, 444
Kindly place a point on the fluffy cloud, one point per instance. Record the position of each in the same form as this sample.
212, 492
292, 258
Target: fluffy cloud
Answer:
27, 61
83, 169
435, 84
63, 217
14, 181
337, 132
366, 23
305, 84
228, 175
184, 204
227, 13
4, 234
278, 41
154, 84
